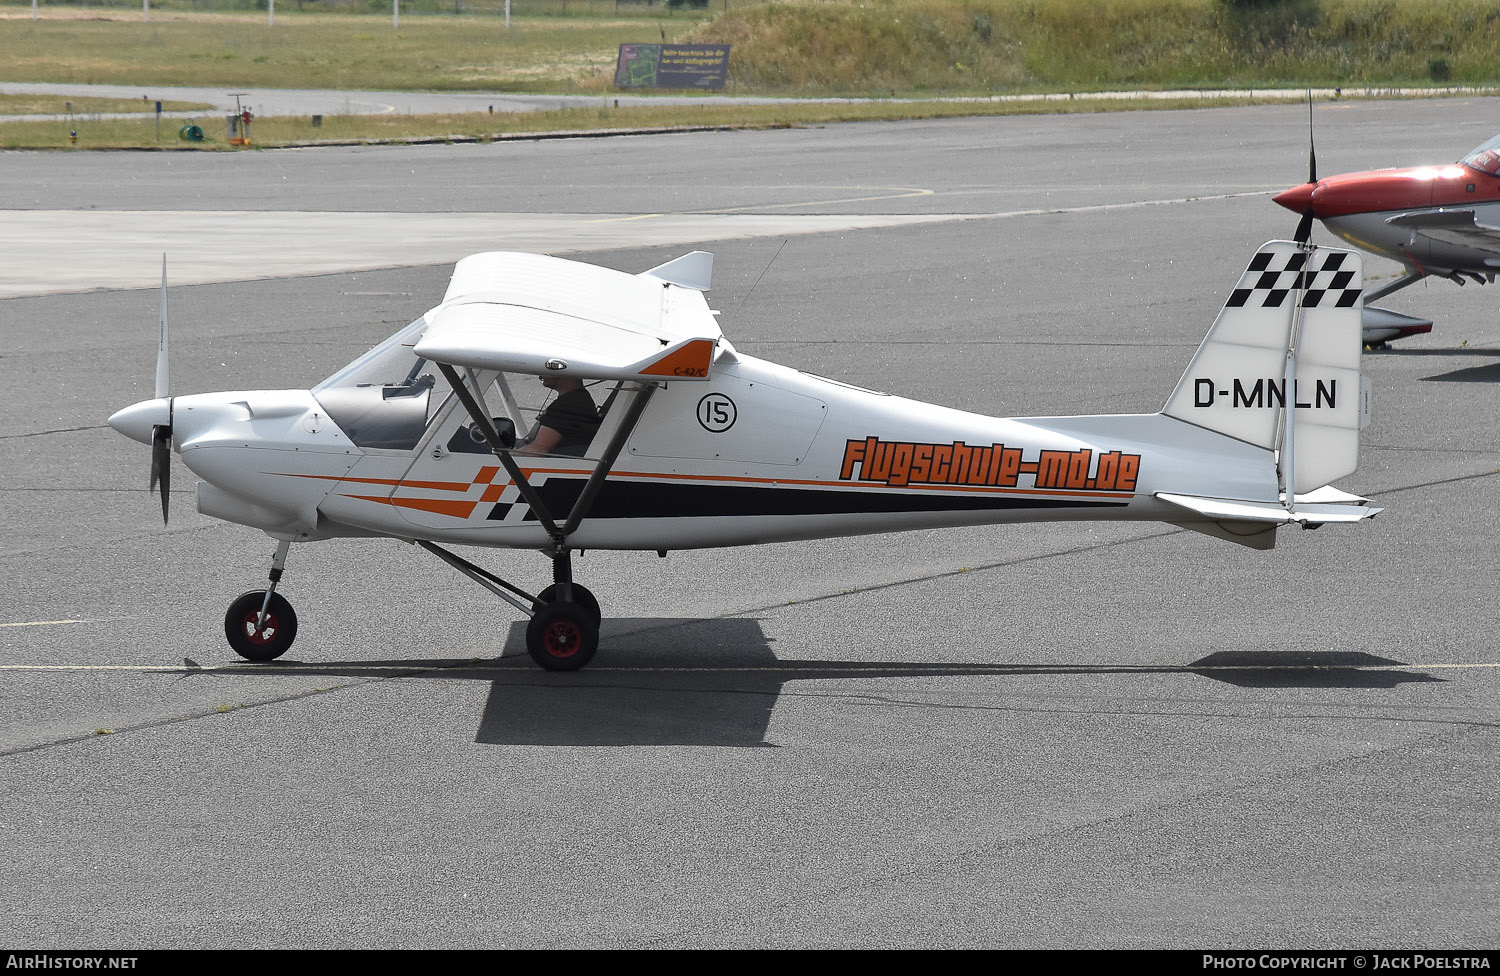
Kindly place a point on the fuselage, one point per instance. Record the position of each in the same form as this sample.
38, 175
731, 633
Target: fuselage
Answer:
759, 453
1360, 207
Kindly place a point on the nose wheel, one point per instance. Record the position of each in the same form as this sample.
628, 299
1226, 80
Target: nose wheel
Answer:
260, 630
261, 624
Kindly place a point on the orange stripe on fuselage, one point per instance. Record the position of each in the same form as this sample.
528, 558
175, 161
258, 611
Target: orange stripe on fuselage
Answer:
438, 506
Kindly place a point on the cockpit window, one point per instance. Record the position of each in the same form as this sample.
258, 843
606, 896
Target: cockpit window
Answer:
389, 397
385, 398
1486, 157
575, 416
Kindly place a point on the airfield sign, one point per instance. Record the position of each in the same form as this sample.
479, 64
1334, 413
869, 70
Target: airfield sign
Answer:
672, 66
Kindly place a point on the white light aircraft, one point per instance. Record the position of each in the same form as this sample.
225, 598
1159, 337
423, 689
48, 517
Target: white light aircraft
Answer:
694, 445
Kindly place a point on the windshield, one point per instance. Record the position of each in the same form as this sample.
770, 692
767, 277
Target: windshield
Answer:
385, 398
1485, 157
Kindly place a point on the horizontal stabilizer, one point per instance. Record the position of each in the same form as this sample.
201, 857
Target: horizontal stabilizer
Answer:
1236, 510
1329, 495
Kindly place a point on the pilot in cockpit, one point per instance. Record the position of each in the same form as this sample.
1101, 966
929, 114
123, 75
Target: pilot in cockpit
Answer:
568, 424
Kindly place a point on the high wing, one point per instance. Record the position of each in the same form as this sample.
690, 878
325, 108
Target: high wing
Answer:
530, 313
1460, 227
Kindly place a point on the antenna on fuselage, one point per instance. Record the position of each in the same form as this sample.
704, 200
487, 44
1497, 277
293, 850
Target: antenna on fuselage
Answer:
762, 274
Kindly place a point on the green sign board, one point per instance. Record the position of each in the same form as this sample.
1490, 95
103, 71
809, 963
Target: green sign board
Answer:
672, 66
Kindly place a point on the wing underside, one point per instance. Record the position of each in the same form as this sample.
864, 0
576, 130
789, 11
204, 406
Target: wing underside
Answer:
1460, 227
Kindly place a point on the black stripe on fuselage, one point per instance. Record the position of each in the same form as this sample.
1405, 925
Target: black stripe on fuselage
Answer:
653, 499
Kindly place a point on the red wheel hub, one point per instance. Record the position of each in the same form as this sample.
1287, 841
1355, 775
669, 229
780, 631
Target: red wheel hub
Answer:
266, 634
563, 638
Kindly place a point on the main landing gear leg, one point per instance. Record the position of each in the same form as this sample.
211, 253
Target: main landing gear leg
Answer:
261, 624
563, 633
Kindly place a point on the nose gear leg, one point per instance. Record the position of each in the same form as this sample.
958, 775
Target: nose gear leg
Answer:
261, 624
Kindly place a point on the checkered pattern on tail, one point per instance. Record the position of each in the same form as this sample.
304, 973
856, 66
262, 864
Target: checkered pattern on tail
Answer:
1265, 285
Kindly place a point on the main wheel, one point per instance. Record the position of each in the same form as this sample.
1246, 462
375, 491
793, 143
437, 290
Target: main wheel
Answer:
562, 636
581, 596
273, 638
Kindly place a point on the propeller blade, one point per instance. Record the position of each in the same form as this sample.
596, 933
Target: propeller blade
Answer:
161, 345
1311, 149
161, 465
1304, 227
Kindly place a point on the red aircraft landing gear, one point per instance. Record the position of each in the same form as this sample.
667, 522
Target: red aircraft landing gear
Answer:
261, 624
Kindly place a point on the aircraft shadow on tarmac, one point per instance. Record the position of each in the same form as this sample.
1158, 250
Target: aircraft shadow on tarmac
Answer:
716, 682
1297, 669
1471, 374
1488, 373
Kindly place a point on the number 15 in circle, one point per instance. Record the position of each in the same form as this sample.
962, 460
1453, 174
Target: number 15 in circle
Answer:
716, 413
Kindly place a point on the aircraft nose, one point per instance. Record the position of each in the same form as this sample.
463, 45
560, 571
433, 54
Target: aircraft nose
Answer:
136, 420
1298, 199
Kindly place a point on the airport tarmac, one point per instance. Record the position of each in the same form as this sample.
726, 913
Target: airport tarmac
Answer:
1073, 735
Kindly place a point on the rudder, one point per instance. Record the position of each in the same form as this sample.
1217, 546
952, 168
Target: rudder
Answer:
1286, 347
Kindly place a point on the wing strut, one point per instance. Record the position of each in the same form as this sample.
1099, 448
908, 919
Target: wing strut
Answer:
591, 489
607, 462
492, 437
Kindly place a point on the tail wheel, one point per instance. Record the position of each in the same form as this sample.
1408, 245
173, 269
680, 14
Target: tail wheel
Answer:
257, 640
562, 636
581, 596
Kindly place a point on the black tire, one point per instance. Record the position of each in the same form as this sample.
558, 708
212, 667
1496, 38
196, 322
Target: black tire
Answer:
273, 640
581, 596
562, 636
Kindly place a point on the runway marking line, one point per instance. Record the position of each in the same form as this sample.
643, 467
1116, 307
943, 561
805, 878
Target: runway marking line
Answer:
313, 669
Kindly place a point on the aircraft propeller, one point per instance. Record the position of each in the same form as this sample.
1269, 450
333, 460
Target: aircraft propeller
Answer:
1304, 226
161, 434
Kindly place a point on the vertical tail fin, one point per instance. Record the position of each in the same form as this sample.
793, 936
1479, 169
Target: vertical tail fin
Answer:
1280, 367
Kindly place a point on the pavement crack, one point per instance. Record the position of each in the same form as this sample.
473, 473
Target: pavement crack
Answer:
221, 709
59, 430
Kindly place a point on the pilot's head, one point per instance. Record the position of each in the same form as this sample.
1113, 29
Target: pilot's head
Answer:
562, 384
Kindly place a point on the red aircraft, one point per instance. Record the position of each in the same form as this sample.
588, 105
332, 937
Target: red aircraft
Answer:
1441, 221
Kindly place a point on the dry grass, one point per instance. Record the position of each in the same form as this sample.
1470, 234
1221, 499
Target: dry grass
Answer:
63, 105
321, 51
918, 46
804, 47
273, 132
